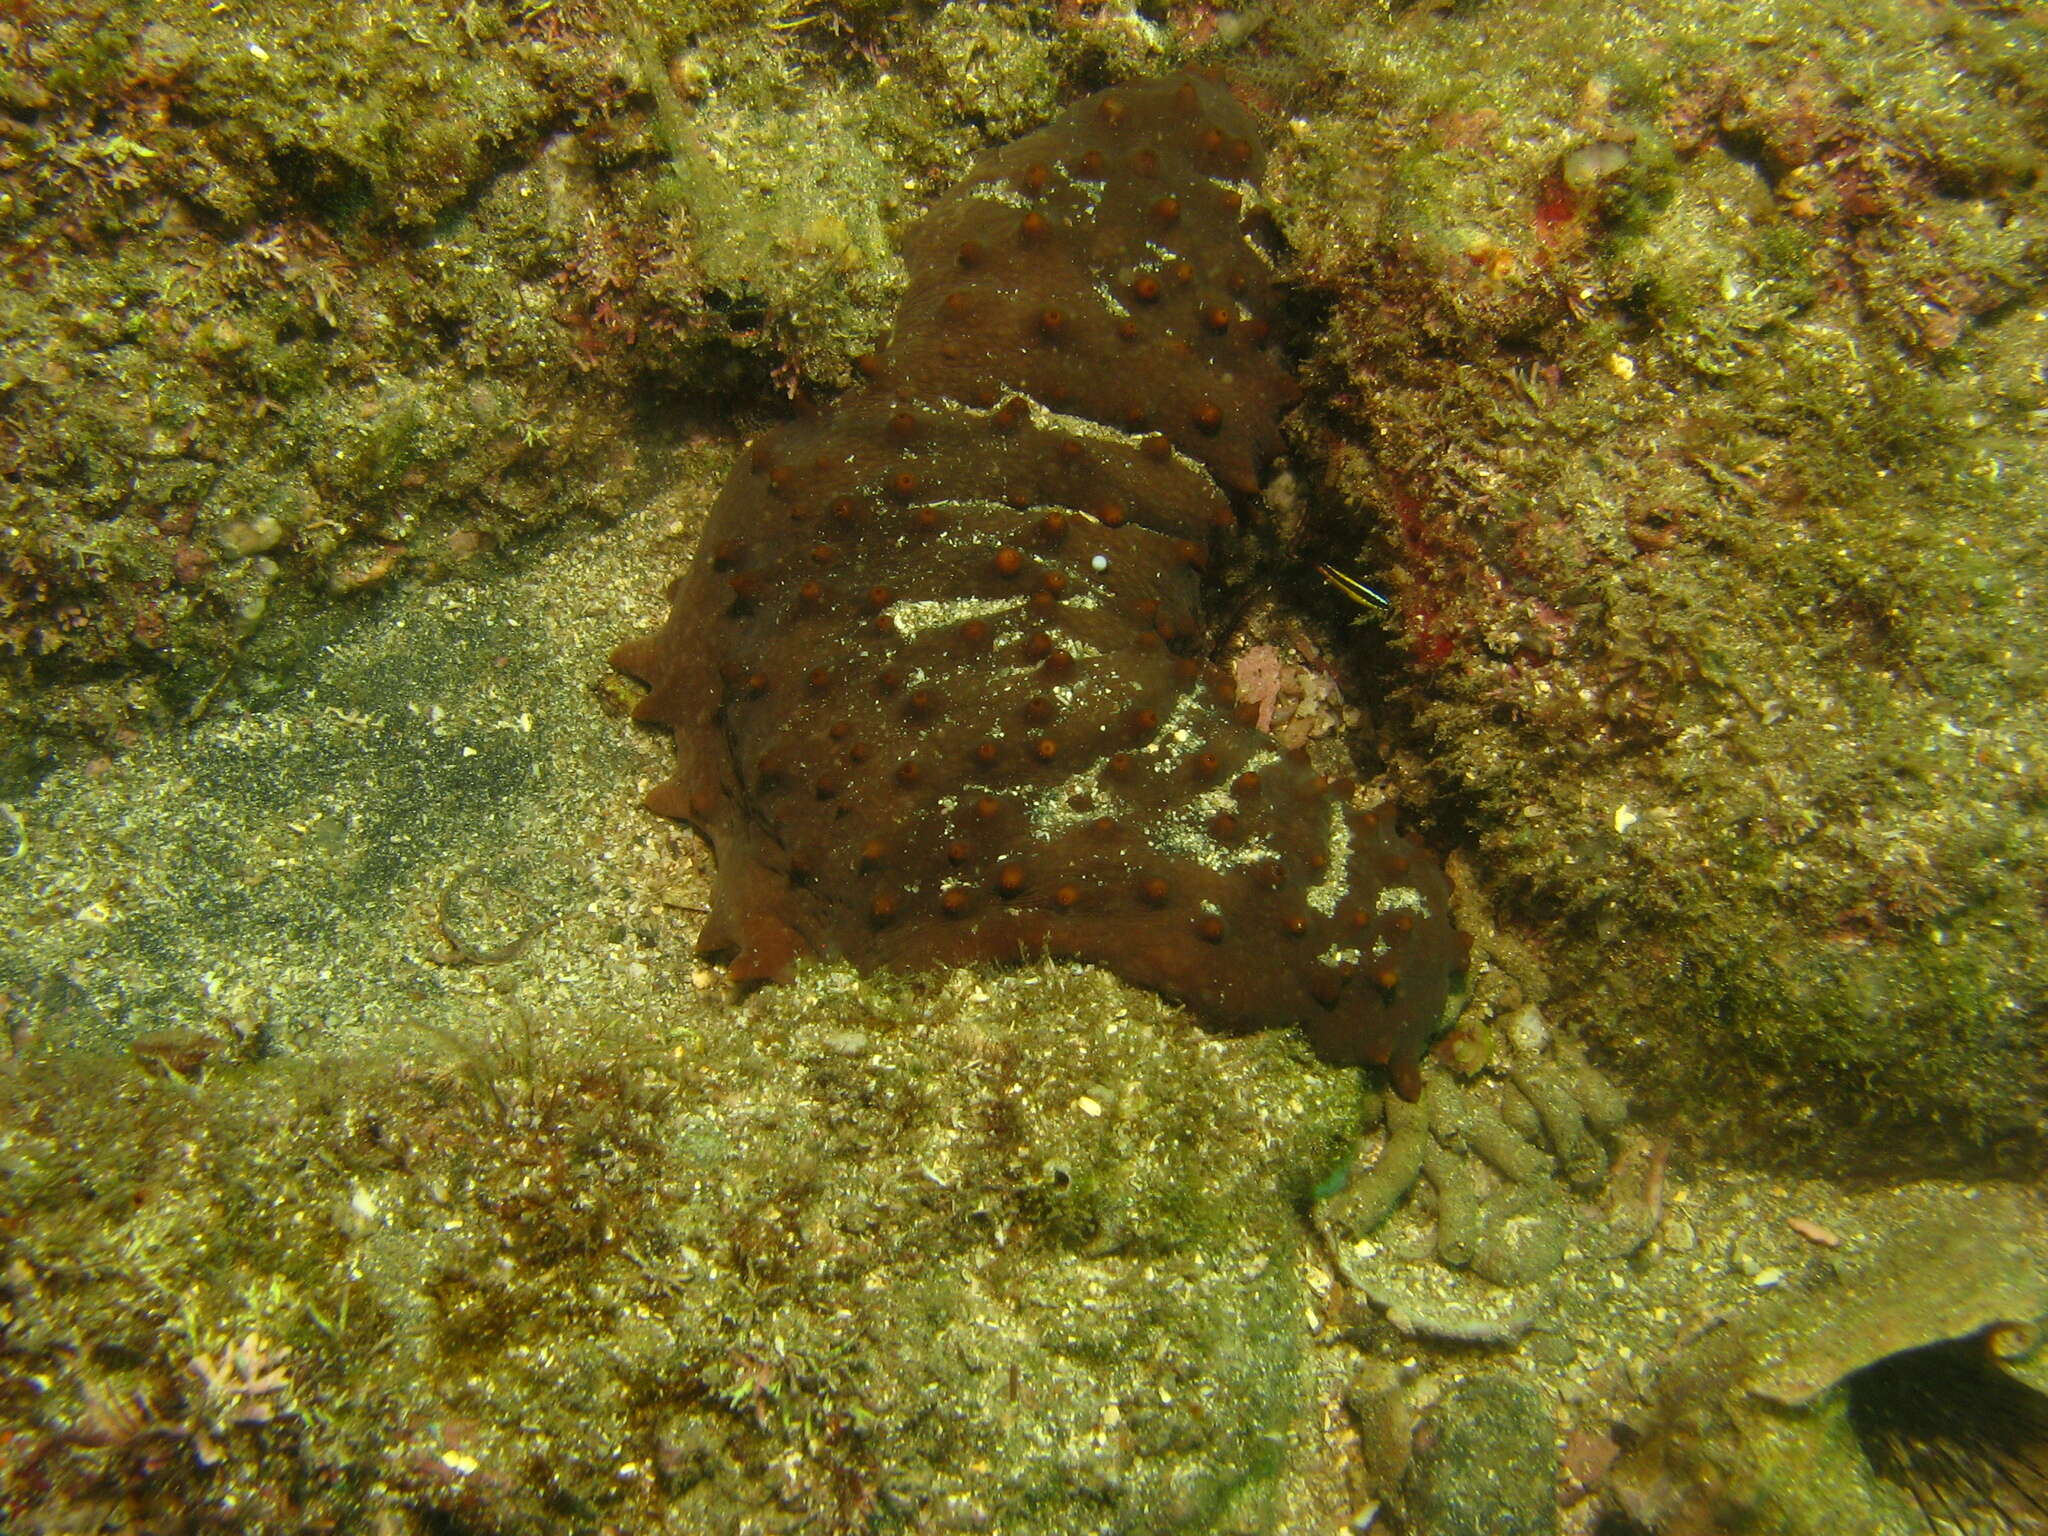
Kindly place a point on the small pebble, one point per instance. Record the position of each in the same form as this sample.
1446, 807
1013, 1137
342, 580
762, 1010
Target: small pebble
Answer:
246, 536
1592, 163
1527, 1032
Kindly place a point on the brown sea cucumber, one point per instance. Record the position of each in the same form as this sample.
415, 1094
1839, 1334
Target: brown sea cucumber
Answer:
940, 674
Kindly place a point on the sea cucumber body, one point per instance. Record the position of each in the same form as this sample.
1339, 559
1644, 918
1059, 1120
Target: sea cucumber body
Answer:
938, 674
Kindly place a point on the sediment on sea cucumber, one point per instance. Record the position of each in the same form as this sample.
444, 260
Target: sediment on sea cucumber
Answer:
940, 673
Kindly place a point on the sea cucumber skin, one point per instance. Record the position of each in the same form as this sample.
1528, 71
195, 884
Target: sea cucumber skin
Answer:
938, 674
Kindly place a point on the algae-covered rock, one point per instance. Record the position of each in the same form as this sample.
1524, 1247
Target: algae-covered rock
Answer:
1485, 1462
305, 307
1850, 1401
1024, 1258
1678, 385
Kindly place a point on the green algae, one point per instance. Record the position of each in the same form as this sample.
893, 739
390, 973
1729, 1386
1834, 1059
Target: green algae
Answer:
1699, 489
909, 1247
